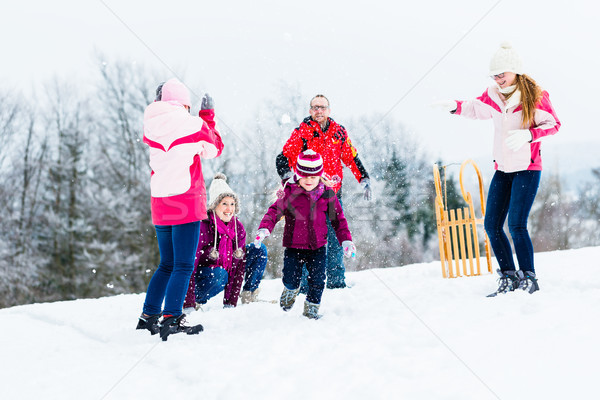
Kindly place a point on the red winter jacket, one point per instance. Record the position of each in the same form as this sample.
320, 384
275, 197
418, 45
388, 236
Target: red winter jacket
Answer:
333, 145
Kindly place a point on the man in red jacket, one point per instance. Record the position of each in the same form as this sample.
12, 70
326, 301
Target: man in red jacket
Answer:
322, 134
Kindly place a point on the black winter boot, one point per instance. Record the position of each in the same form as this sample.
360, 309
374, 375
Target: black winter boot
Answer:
528, 281
149, 322
507, 282
176, 324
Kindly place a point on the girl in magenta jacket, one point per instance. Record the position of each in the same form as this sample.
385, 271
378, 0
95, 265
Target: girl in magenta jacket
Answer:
222, 254
306, 203
522, 115
177, 142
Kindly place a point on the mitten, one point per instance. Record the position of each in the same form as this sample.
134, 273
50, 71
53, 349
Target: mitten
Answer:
349, 248
260, 236
366, 184
207, 102
445, 105
517, 138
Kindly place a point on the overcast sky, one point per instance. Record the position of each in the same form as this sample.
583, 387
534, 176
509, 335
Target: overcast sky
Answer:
378, 56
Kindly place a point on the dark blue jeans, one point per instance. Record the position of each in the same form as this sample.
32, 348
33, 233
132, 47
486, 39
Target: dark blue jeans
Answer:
295, 260
210, 282
177, 245
511, 194
256, 261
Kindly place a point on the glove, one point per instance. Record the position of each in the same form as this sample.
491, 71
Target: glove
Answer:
260, 236
349, 248
445, 105
207, 102
366, 183
517, 138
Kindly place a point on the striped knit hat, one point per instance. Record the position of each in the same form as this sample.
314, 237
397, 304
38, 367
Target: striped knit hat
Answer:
309, 163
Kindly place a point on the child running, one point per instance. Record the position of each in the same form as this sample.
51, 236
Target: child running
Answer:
306, 205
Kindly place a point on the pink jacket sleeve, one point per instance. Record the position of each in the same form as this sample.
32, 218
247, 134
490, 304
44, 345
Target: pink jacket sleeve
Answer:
546, 121
273, 215
338, 220
479, 108
214, 145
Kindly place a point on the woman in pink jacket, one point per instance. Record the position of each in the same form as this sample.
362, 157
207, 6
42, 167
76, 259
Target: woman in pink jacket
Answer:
177, 142
522, 116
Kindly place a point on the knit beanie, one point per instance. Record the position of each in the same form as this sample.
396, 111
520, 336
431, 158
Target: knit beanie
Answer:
174, 90
309, 163
218, 190
506, 59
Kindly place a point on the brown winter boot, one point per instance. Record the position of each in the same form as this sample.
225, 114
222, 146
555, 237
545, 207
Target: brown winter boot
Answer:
249, 296
311, 310
288, 298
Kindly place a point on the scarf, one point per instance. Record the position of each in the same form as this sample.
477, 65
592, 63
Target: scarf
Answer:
227, 241
317, 192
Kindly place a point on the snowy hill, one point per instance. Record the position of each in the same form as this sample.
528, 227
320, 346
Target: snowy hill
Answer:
399, 333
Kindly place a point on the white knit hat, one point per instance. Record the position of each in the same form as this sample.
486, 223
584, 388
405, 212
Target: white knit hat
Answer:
218, 190
506, 59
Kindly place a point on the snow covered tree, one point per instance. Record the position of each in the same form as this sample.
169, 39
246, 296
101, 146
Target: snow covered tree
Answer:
70, 123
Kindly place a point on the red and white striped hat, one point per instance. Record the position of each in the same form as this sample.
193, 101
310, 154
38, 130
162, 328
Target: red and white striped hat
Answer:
309, 163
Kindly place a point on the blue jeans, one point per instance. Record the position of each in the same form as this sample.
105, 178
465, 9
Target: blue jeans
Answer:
256, 262
177, 245
210, 282
295, 260
511, 194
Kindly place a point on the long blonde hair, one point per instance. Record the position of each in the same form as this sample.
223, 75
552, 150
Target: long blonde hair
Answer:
531, 94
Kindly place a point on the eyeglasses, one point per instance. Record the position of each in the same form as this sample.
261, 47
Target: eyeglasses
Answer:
499, 76
322, 108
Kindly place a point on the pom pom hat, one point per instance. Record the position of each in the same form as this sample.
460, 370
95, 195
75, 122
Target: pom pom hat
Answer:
174, 90
218, 190
506, 59
309, 163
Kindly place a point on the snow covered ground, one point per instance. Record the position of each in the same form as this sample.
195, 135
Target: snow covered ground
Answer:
398, 333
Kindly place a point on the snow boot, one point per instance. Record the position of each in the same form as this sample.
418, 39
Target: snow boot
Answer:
507, 282
528, 281
171, 324
149, 322
249, 296
311, 310
288, 298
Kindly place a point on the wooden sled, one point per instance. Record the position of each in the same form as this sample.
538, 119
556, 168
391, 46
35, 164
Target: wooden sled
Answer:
457, 229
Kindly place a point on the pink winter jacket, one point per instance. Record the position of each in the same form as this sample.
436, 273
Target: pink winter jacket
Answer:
177, 141
508, 116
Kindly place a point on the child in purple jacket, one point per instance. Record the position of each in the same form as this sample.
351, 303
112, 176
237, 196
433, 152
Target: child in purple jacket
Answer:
306, 204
